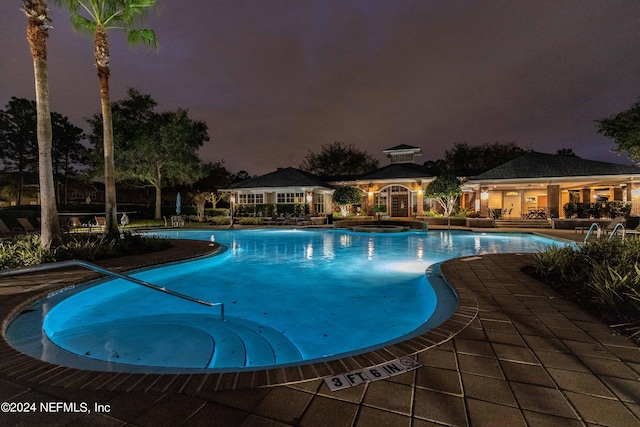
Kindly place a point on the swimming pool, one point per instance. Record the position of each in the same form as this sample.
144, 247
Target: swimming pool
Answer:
291, 296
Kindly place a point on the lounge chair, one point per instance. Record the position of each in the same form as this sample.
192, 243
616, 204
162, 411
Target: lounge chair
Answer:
177, 221
634, 232
5, 231
101, 223
270, 221
26, 225
614, 222
74, 223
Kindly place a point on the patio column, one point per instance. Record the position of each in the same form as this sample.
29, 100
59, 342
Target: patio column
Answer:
617, 193
484, 203
419, 203
553, 200
586, 195
633, 196
310, 202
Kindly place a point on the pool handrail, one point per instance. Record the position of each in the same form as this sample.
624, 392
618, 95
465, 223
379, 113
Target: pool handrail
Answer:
88, 265
598, 231
615, 229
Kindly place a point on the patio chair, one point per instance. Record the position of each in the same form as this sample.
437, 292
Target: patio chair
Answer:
177, 221
617, 220
74, 223
5, 231
26, 225
270, 221
634, 232
101, 223
306, 220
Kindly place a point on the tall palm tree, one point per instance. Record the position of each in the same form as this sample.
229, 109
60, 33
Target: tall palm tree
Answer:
101, 16
37, 33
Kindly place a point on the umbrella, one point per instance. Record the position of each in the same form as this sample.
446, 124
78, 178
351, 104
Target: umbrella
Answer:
178, 204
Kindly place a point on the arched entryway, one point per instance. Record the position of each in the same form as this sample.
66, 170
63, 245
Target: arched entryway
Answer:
398, 200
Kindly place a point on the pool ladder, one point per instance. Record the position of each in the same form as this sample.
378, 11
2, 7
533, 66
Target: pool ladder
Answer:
598, 231
87, 265
615, 229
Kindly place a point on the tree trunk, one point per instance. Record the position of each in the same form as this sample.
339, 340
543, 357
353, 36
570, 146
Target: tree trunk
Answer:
158, 187
111, 211
50, 225
20, 188
101, 51
37, 36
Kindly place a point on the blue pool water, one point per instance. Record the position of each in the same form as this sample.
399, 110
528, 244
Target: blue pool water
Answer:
289, 296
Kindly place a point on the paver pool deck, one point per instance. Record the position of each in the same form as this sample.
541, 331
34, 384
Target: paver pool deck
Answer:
528, 358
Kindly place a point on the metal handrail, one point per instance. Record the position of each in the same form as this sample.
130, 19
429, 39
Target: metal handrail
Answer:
615, 229
76, 263
599, 230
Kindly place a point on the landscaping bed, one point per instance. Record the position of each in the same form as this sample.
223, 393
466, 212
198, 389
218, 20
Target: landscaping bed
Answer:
602, 277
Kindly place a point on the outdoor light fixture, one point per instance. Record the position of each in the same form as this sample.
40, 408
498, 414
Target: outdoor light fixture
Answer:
484, 195
309, 198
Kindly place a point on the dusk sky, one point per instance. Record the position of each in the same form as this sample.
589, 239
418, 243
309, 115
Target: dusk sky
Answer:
275, 79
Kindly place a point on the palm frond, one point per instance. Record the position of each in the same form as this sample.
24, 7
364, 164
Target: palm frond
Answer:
80, 23
145, 36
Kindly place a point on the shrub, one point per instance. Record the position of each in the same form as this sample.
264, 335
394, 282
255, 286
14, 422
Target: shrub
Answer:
25, 250
432, 214
607, 271
560, 263
597, 209
220, 220
250, 221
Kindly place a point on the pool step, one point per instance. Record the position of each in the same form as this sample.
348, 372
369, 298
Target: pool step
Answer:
180, 340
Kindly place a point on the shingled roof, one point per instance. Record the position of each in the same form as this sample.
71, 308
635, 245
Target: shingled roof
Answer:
542, 165
285, 177
402, 147
399, 170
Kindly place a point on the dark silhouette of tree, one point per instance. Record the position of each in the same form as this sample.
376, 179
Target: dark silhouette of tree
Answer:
19, 148
68, 153
467, 160
624, 129
155, 149
339, 159
566, 152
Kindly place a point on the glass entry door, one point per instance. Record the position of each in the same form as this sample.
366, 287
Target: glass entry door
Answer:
400, 205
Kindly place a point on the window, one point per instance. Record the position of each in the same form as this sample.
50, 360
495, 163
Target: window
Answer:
318, 203
398, 189
290, 198
251, 199
402, 158
381, 200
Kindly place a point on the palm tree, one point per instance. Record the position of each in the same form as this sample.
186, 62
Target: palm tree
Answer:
104, 15
37, 33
